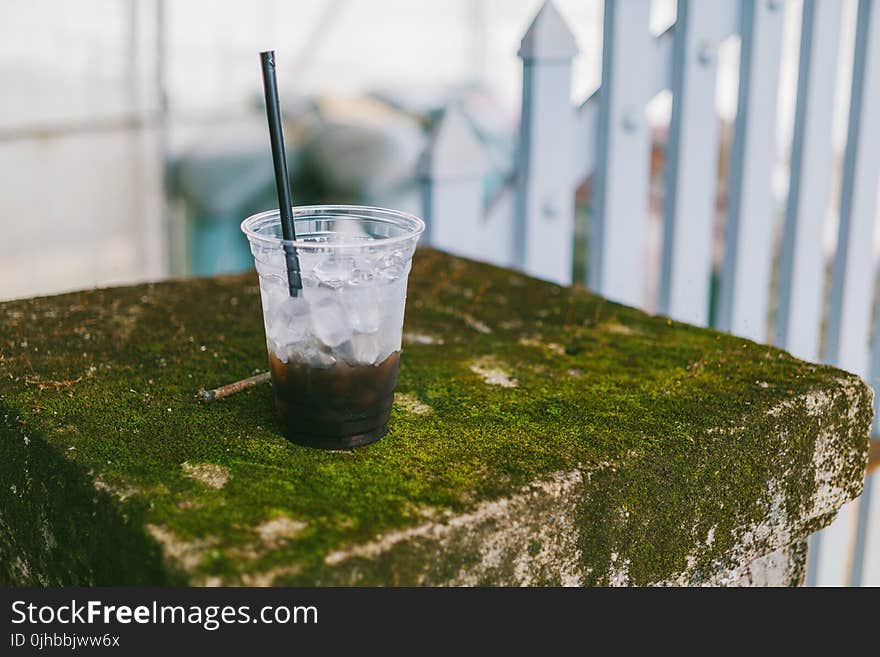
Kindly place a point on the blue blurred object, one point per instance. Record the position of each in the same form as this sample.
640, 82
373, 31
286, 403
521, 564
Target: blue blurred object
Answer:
219, 184
339, 150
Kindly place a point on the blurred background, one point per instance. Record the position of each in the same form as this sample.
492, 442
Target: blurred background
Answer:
133, 138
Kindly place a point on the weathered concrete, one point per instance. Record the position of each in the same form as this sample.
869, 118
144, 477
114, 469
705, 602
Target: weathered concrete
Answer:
541, 436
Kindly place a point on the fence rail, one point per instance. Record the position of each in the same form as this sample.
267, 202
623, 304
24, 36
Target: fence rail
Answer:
607, 139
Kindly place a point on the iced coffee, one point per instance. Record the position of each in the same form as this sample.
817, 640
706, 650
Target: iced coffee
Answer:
334, 344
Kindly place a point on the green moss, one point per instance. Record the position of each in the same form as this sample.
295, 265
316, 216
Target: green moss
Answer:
669, 422
55, 523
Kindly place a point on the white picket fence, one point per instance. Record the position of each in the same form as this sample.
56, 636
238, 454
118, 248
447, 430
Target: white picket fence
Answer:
530, 224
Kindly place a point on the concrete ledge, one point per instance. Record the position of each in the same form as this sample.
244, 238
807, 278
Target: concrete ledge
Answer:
541, 435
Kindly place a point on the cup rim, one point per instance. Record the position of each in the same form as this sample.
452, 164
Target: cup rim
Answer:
404, 219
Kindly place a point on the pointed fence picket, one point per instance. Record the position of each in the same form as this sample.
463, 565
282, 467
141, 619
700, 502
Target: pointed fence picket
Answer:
529, 224
452, 170
545, 190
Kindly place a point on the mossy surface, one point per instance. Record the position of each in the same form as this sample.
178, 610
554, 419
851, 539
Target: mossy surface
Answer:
107, 462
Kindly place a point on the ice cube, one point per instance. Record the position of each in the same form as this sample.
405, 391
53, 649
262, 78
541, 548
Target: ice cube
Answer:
334, 270
392, 322
363, 308
388, 343
364, 268
328, 320
307, 263
391, 294
273, 290
310, 353
279, 350
286, 319
391, 301
394, 266
361, 349
269, 262
286, 334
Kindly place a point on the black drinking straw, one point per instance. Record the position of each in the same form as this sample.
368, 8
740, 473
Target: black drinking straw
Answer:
282, 182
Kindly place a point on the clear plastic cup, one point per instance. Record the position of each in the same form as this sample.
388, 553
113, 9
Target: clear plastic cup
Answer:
334, 348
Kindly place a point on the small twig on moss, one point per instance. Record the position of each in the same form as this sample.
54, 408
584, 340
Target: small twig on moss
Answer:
208, 396
44, 385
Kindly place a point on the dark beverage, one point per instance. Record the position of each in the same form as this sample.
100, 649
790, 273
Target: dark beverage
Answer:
336, 407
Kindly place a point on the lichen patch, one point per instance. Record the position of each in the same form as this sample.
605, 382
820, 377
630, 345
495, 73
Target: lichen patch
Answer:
269, 577
279, 530
476, 324
618, 574
411, 404
493, 372
414, 337
180, 553
552, 347
127, 321
122, 493
516, 539
620, 329
21, 568
210, 474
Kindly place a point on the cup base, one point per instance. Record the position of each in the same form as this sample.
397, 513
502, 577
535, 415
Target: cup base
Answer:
337, 407
338, 442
